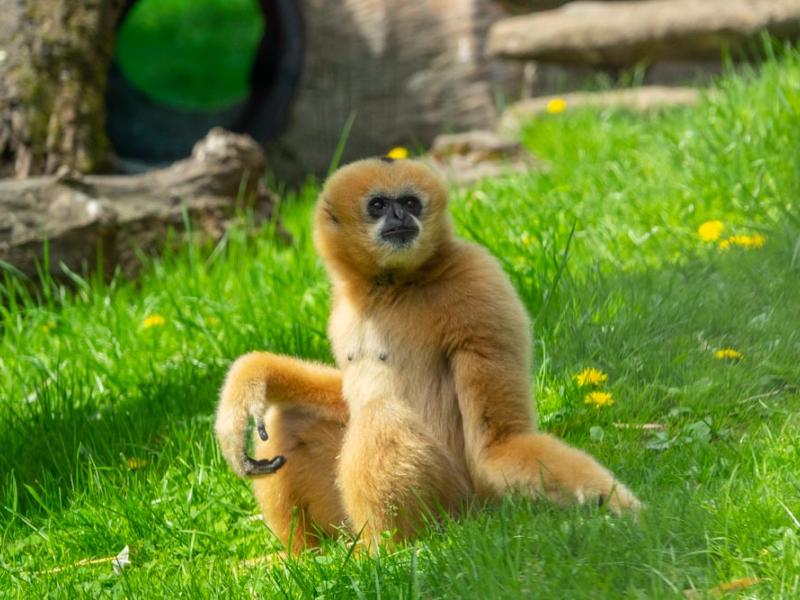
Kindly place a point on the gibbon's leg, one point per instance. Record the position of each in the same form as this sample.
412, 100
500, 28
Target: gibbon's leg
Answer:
258, 380
300, 502
505, 453
393, 474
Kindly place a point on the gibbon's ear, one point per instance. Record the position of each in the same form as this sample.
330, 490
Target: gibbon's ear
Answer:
329, 212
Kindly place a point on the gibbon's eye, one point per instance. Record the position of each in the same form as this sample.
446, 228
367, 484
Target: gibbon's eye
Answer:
377, 207
412, 204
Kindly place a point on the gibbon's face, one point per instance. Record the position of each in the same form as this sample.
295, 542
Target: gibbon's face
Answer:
378, 215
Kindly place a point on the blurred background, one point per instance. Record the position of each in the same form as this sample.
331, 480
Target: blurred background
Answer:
300, 76
128, 86
296, 73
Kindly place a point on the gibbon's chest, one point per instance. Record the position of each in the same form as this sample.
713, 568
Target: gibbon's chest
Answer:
389, 358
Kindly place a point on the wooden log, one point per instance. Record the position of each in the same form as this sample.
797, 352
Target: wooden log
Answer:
97, 221
625, 33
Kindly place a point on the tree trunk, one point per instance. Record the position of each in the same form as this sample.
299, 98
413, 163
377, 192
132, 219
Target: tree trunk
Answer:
54, 58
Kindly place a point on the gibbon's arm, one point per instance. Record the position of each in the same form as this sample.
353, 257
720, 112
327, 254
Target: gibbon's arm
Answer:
503, 449
258, 380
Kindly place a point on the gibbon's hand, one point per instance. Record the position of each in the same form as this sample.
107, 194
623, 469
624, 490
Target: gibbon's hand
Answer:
288, 382
267, 466
244, 395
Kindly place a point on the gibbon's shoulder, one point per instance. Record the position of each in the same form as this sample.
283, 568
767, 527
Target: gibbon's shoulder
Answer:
476, 285
474, 263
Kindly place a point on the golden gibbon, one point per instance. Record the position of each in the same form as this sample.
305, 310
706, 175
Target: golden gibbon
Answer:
429, 405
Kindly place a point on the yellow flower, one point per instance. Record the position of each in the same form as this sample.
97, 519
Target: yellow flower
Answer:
728, 354
153, 321
744, 241
591, 376
48, 327
398, 153
556, 105
136, 463
710, 231
599, 399
526, 238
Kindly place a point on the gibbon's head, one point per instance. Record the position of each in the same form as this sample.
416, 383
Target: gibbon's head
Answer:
379, 215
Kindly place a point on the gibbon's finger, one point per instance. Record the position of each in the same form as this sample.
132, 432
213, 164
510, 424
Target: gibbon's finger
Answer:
255, 468
262, 430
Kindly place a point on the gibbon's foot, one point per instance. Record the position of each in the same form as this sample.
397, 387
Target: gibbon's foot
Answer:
256, 468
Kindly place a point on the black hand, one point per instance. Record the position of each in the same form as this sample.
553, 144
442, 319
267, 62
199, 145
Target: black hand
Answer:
254, 468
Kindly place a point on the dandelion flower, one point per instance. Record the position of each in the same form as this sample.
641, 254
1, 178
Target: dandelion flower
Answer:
556, 105
756, 240
591, 376
728, 354
710, 231
526, 238
398, 153
599, 399
153, 321
136, 463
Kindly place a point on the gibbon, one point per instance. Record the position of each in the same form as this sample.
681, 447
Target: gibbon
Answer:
429, 405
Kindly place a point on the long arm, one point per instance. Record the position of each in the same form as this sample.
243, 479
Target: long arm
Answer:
504, 451
260, 379
490, 354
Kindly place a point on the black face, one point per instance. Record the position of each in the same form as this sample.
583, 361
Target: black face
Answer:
399, 227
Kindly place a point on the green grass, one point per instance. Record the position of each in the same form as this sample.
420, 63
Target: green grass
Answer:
192, 54
85, 388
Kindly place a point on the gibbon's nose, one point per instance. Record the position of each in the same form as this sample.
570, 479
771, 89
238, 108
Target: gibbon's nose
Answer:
397, 211
399, 230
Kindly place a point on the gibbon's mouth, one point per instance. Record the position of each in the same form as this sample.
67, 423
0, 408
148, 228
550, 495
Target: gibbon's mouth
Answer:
399, 236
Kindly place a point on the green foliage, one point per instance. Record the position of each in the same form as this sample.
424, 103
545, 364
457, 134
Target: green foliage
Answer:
192, 54
105, 424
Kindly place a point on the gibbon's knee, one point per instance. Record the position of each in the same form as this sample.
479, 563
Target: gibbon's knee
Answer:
540, 464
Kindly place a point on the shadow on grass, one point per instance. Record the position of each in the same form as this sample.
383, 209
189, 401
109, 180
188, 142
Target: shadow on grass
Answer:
55, 436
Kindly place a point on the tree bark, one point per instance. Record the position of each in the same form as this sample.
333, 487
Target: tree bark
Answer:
54, 59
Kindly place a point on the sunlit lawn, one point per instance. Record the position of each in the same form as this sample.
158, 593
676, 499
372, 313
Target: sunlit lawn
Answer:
107, 391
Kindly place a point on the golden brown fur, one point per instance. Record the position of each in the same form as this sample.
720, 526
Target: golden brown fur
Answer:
430, 405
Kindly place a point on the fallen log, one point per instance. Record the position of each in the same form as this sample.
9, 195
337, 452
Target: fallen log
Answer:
619, 34
89, 222
638, 99
465, 158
